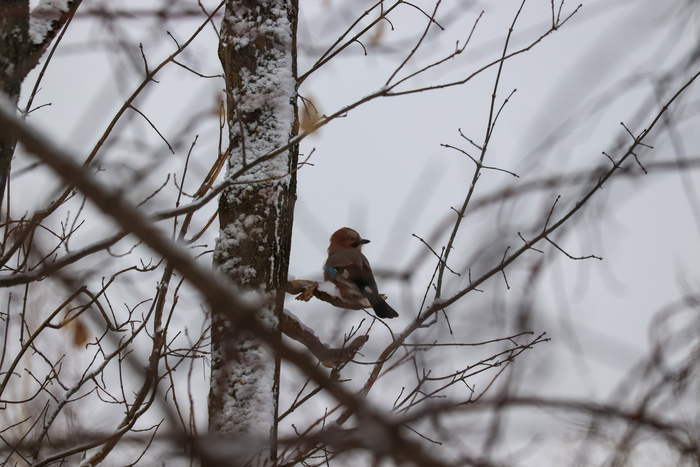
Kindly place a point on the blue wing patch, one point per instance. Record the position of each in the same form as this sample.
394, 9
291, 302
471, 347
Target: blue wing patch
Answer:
331, 272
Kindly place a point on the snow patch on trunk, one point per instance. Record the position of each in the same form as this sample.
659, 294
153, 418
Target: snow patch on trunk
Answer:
43, 16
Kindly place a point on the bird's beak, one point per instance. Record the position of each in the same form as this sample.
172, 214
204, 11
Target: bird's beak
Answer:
364, 240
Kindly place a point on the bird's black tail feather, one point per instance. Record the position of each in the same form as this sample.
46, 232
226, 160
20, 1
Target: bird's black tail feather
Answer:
380, 306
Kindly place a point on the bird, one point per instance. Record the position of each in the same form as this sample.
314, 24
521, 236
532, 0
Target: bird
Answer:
349, 270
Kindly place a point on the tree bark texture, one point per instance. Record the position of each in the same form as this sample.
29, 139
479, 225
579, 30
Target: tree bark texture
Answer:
256, 214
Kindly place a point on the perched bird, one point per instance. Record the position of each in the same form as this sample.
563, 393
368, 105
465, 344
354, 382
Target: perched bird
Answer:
349, 270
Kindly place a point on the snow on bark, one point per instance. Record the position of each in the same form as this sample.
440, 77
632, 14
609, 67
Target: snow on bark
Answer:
255, 214
43, 16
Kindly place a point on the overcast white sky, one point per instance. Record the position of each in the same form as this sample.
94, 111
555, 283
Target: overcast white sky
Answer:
382, 171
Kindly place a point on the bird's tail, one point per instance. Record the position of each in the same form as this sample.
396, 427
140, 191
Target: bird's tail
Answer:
380, 306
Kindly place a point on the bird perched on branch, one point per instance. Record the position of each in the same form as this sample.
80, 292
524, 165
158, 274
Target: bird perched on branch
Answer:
349, 270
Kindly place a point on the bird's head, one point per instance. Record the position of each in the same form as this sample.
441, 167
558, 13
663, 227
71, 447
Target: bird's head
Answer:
346, 238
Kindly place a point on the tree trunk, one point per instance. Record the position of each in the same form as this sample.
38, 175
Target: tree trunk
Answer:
259, 61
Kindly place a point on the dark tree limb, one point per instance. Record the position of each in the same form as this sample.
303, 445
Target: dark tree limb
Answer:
307, 289
329, 357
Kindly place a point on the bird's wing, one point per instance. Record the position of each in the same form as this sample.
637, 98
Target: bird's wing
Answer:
349, 284
353, 266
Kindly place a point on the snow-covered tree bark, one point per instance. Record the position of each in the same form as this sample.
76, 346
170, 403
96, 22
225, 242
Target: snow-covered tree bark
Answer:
258, 57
